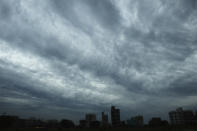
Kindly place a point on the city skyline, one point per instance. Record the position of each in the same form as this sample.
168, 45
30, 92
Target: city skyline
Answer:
179, 117
64, 58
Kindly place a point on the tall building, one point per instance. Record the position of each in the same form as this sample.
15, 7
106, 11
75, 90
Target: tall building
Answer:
83, 123
136, 121
90, 117
181, 117
90, 120
104, 118
155, 121
115, 116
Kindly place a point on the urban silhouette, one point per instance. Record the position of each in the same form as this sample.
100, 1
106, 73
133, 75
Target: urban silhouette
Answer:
179, 120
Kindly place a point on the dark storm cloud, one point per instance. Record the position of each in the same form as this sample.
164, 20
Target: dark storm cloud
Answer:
134, 54
184, 85
103, 11
5, 10
19, 96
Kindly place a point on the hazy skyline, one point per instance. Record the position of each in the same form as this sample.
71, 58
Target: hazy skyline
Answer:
64, 58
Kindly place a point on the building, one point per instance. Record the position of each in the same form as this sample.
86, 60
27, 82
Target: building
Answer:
90, 120
188, 117
83, 123
67, 123
155, 121
195, 117
176, 117
115, 116
137, 121
8, 121
104, 118
90, 117
95, 124
181, 117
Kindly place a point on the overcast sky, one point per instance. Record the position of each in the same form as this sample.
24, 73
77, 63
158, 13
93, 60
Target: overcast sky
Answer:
64, 58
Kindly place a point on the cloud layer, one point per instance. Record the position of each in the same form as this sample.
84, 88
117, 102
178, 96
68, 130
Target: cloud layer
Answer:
76, 56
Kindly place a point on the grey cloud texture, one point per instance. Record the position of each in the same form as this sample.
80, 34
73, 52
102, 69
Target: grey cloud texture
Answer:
78, 56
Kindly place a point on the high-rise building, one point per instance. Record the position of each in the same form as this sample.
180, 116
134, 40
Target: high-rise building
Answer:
90, 117
83, 123
181, 117
155, 121
104, 118
90, 120
115, 116
136, 121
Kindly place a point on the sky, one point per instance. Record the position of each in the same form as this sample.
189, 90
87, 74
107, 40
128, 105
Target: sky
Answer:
64, 58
